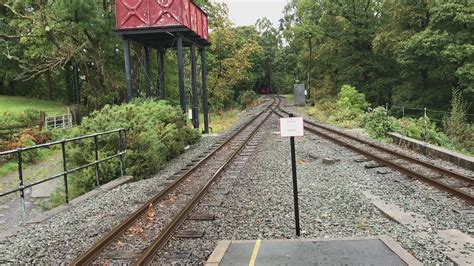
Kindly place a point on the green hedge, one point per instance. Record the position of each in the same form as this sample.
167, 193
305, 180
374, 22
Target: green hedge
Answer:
156, 133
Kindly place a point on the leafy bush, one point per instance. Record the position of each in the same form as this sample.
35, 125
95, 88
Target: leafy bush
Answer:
156, 132
423, 129
377, 123
456, 126
247, 99
29, 118
351, 99
352, 105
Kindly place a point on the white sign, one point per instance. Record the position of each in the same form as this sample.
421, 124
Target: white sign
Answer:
292, 127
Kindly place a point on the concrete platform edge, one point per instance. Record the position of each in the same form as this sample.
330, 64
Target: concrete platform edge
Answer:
432, 150
218, 253
73, 203
400, 251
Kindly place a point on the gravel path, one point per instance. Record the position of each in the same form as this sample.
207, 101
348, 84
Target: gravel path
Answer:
332, 203
66, 235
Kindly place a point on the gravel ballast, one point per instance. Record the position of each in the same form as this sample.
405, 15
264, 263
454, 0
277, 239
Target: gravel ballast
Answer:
332, 202
67, 234
260, 206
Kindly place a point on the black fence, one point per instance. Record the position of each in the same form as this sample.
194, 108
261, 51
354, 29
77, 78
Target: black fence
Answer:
121, 150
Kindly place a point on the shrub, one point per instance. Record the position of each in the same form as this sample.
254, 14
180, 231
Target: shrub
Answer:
423, 129
247, 99
27, 118
156, 132
352, 105
456, 126
351, 99
377, 123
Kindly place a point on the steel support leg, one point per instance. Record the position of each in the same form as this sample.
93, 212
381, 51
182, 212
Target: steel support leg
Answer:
205, 108
182, 92
128, 69
147, 70
194, 87
161, 73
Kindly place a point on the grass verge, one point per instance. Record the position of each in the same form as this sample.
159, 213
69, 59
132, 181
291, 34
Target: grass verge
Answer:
17, 104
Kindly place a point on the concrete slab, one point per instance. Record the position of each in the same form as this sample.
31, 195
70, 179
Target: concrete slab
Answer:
458, 240
345, 251
396, 213
434, 151
458, 244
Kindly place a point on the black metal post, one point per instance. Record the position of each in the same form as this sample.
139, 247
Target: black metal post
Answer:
96, 161
121, 148
22, 183
182, 92
205, 108
161, 73
66, 189
128, 69
194, 87
295, 184
146, 63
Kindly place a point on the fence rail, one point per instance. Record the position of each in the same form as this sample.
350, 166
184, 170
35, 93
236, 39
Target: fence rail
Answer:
121, 150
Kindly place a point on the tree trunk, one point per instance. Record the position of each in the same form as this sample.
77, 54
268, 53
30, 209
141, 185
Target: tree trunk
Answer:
2, 86
69, 85
12, 87
50, 85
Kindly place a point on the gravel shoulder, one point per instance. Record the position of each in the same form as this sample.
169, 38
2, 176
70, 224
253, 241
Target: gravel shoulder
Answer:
63, 237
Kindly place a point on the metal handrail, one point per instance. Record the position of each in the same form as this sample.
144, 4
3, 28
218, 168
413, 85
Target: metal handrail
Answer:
121, 151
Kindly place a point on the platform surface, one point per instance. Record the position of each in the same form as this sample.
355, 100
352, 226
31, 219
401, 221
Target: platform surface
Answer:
350, 251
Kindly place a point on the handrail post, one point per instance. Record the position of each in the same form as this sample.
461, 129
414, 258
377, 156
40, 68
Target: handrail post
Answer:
120, 150
66, 190
22, 191
96, 161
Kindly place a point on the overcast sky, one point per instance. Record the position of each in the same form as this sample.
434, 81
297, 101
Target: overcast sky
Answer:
246, 12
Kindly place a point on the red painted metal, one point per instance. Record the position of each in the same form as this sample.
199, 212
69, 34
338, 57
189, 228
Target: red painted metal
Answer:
149, 14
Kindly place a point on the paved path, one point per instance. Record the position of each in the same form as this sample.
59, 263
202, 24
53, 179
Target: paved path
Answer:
11, 206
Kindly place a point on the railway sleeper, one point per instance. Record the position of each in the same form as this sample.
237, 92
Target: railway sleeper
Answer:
190, 234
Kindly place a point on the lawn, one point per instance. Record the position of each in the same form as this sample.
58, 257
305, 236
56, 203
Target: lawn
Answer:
16, 104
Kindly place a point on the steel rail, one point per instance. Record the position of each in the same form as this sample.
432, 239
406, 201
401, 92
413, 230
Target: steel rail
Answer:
148, 255
94, 251
438, 169
455, 191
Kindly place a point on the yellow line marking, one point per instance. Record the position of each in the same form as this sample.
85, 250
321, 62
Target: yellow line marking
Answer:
254, 253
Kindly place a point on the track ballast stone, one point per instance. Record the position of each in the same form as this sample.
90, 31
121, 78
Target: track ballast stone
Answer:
332, 203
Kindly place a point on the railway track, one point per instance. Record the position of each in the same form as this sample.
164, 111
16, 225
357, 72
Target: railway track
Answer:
459, 185
140, 236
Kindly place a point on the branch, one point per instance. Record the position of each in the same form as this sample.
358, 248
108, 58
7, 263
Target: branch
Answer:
9, 37
15, 12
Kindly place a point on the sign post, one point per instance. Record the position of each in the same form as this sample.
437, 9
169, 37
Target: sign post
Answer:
293, 127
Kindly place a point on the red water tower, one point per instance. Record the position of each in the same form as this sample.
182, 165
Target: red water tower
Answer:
161, 25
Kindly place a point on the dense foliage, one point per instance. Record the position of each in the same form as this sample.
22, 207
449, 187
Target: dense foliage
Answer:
410, 53
156, 133
350, 110
248, 99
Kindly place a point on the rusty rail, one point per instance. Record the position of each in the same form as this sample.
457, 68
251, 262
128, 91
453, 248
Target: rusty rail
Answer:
169, 230
453, 190
94, 251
